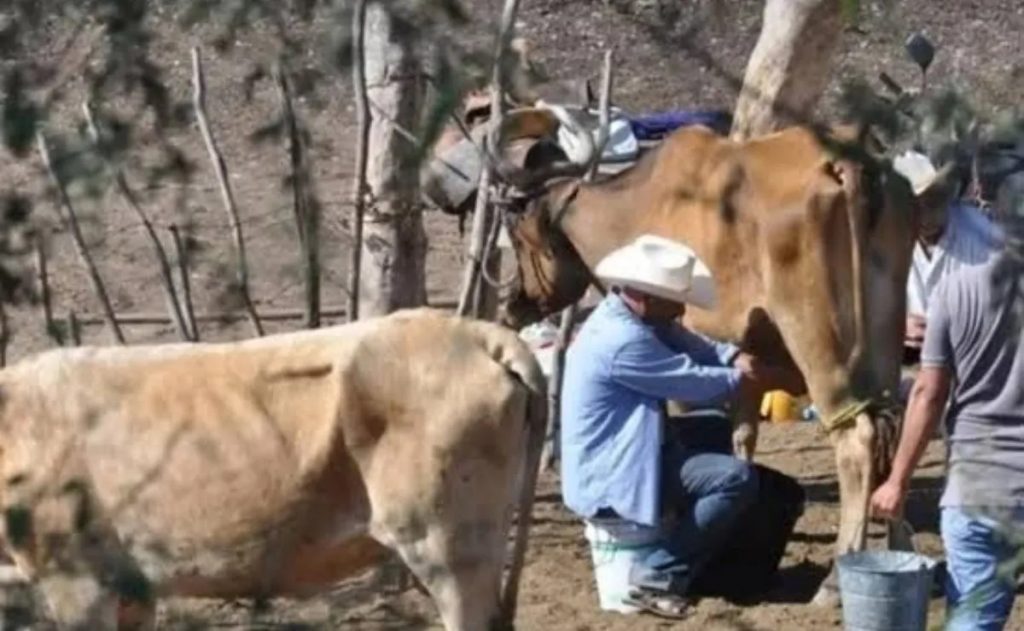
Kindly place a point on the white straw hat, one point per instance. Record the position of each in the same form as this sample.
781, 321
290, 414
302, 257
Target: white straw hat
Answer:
660, 267
917, 169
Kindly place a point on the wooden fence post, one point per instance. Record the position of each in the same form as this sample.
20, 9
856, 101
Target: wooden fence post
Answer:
79, 240
551, 446
360, 187
186, 283
74, 329
306, 214
227, 196
475, 289
5, 335
128, 197
43, 273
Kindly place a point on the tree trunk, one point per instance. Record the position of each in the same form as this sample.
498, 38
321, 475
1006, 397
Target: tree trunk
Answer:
394, 241
789, 67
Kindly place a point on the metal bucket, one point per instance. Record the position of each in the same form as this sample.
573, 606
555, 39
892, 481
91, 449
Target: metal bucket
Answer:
885, 590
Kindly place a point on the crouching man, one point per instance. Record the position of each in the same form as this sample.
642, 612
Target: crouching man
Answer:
619, 458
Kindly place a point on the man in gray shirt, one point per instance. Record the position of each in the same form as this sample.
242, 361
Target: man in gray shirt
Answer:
972, 358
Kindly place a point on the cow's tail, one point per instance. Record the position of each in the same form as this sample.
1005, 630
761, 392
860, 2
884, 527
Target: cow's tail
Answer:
512, 353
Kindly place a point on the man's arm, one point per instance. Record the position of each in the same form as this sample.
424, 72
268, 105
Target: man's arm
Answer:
656, 370
700, 348
704, 350
927, 402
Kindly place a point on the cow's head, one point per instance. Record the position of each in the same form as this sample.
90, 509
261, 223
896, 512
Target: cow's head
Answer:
551, 273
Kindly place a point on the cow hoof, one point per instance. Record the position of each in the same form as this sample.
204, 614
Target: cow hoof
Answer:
827, 596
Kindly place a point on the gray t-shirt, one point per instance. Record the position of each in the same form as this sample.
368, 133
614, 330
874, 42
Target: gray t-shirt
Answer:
976, 331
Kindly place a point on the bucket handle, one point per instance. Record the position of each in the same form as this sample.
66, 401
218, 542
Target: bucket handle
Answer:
903, 524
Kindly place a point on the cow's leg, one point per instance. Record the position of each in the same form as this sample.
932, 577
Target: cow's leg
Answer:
136, 616
745, 426
96, 594
78, 601
853, 467
462, 571
90, 582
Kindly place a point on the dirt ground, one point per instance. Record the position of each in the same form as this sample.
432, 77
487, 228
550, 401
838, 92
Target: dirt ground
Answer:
657, 69
559, 592
558, 589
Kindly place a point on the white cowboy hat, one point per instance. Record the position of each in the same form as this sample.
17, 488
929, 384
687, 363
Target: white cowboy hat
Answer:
660, 267
917, 169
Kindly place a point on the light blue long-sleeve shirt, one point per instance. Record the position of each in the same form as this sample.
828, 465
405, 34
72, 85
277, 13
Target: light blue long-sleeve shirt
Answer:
618, 372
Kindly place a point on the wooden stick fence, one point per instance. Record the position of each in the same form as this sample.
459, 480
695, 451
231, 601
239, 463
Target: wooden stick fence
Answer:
128, 197
43, 274
186, 282
474, 296
269, 315
306, 214
74, 329
4, 335
71, 219
227, 196
568, 316
360, 187
180, 310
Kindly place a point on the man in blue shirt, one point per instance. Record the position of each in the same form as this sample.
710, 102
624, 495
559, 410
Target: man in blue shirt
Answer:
617, 461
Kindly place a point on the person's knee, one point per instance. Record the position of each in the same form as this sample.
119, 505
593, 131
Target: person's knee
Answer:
744, 482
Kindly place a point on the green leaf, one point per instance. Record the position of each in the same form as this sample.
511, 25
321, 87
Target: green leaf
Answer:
851, 10
20, 115
449, 93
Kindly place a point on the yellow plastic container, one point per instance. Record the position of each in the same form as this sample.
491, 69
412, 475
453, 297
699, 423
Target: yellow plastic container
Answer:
778, 406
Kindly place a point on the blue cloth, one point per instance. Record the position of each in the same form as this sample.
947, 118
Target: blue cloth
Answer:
618, 372
708, 489
656, 126
980, 567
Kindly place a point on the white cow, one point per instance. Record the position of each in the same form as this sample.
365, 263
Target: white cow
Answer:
274, 466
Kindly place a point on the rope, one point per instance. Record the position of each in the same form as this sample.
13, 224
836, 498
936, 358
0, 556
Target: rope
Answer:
887, 420
501, 206
845, 417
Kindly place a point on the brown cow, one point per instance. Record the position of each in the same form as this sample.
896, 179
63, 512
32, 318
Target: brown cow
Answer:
810, 249
275, 466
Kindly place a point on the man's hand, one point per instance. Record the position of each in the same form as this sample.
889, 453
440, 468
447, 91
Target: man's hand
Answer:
768, 377
744, 362
914, 336
887, 500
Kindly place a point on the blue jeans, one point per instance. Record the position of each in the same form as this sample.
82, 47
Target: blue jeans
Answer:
981, 573
706, 488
